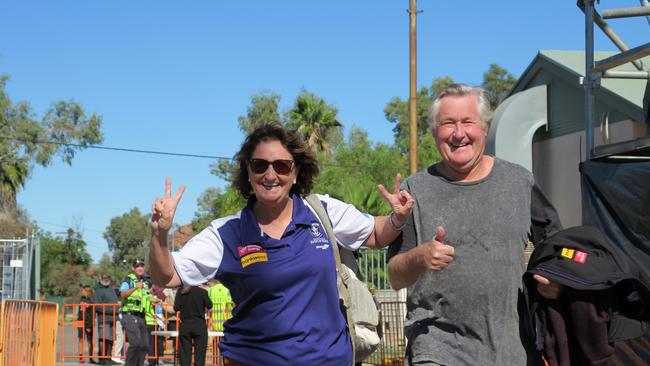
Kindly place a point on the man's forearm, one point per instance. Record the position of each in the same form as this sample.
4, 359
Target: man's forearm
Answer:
404, 269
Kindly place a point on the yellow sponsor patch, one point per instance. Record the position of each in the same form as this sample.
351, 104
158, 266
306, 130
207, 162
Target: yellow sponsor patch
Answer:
254, 258
567, 253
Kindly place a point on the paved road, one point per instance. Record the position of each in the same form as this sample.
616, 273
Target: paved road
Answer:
69, 338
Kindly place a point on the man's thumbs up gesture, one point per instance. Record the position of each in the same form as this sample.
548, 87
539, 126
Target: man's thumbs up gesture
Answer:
435, 255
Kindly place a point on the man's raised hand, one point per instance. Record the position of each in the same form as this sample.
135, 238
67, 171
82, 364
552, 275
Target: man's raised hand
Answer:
163, 209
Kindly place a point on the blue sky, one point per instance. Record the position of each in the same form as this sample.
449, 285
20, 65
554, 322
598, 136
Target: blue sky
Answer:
174, 76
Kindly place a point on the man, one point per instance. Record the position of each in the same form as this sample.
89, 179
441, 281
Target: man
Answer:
134, 292
461, 253
221, 305
105, 303
152, 319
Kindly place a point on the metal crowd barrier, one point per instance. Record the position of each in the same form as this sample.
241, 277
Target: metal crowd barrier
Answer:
73, 349
393, 343
28, 334
74, 343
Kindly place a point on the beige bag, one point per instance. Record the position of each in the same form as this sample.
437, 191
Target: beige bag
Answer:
362, 313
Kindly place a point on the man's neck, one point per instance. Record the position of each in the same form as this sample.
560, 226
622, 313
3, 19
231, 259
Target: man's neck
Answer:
479, 171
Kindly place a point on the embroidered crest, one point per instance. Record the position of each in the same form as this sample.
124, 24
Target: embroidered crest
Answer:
315, 230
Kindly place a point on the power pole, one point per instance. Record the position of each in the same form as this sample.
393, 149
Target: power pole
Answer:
413, 113
68, 241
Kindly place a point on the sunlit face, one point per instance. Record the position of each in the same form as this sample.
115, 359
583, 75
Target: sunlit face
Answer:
138, 270
460, 133
272, 187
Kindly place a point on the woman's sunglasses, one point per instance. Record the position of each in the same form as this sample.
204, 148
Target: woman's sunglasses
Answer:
259, 166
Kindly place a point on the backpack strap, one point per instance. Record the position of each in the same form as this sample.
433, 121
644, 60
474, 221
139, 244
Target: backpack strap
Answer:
343, 276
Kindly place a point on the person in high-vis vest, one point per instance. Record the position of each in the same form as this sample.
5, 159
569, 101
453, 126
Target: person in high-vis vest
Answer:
151, 320
134, 292
221, 305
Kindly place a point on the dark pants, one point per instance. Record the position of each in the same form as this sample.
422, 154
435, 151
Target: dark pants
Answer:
156, 345
193, 330
87, 334
105, 350
137, 337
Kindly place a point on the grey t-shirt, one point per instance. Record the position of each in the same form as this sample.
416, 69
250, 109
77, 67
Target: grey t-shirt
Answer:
467, 314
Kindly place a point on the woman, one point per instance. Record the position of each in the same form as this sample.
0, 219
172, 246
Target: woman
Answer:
274, 256
192, 302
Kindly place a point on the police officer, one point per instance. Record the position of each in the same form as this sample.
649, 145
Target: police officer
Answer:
135, 293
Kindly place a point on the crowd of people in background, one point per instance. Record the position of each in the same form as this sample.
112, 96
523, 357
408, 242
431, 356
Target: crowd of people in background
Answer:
109, 311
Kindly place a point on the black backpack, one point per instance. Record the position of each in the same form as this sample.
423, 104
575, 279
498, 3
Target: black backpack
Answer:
583, 259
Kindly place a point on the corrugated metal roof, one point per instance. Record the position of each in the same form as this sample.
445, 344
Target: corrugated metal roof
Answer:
574, 62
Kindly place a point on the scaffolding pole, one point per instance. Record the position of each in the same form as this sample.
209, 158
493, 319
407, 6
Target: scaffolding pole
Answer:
609, 32
621, 58
615, 74
589, 79
626, 12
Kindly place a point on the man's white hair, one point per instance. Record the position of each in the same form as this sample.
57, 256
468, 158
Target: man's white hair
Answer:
484, 110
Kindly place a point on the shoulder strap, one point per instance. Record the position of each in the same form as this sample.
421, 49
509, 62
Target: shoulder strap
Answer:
342, 274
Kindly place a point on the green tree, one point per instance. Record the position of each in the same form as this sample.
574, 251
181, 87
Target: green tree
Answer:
14, 222
397, 112
66, 280
61, 257
497, 82
22, 140
128, 236
311, 117
351, 173
116, 270
315, 121
262, 110
214, 203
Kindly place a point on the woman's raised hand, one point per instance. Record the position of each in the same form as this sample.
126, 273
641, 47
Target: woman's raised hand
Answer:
399, 200
163, 209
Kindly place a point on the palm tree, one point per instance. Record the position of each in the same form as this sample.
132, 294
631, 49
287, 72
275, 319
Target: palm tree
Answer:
13, 175
314, 120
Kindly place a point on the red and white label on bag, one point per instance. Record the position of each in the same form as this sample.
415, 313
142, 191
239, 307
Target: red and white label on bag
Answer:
580, 257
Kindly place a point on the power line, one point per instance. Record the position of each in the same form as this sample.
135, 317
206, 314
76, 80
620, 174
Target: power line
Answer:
187, 155
99, 147
88, 244
66, 226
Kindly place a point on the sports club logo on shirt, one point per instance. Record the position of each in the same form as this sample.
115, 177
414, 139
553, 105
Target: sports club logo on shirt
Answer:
315, 230
317, 236
250, 254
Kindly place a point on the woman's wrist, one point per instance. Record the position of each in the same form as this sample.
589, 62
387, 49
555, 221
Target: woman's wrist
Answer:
394, 223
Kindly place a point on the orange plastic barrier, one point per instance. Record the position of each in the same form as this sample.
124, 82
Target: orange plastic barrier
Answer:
28, 335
